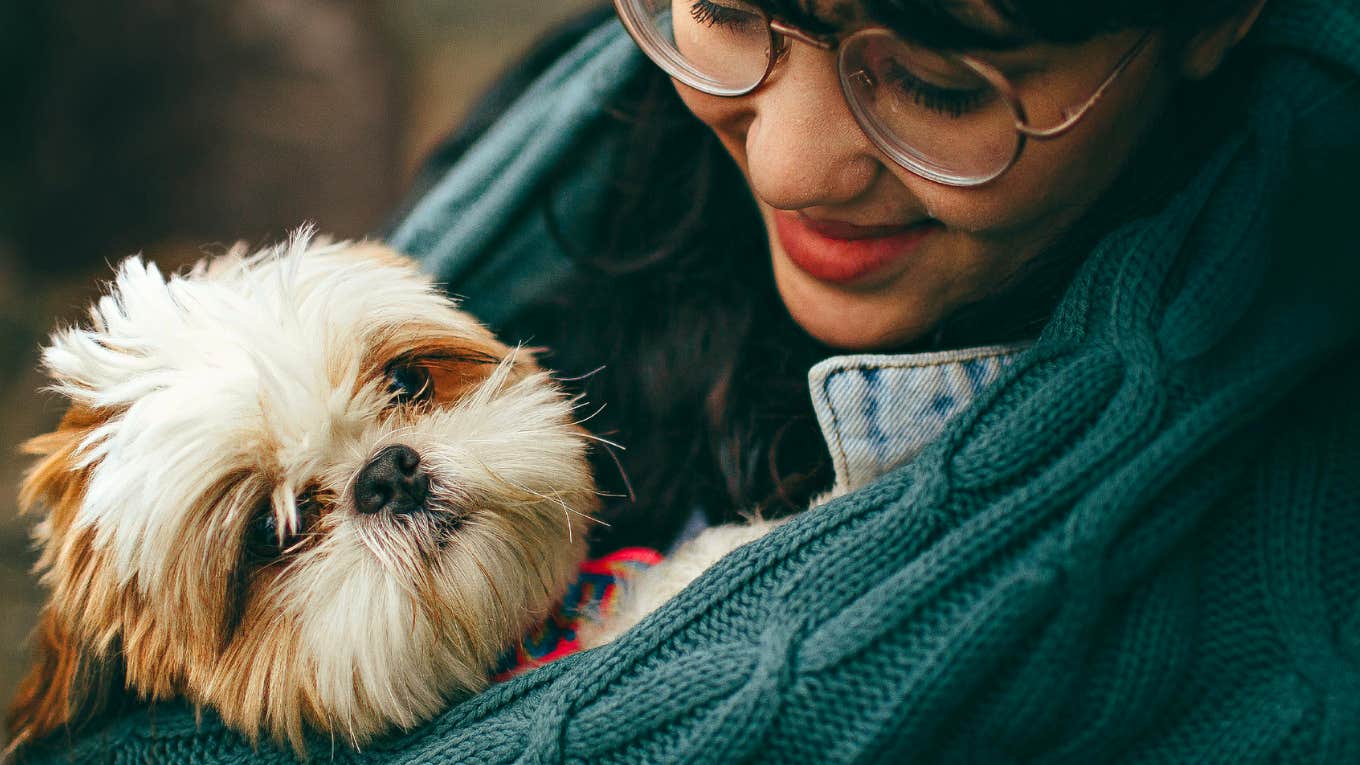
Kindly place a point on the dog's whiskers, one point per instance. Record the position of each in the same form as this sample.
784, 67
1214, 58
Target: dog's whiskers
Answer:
555, 497
605, 441
490, 581
585, 376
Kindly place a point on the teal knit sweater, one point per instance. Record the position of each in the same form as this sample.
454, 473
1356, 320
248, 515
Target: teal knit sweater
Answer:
1141, 545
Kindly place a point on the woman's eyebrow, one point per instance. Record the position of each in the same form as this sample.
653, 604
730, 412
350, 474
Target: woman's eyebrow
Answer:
805, 15
955, 25
941, 24
948, 24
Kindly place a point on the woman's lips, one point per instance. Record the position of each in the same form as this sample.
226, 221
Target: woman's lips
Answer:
842, 253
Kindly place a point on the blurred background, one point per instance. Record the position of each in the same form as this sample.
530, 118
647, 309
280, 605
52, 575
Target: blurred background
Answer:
168, 126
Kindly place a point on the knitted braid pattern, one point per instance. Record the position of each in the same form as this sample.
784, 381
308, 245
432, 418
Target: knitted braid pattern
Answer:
1141, 544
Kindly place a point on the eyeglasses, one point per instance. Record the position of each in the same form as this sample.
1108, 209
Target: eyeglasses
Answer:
953, 119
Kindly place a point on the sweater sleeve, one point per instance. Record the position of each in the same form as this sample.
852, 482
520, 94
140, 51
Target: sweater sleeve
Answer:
488, 225
493, 104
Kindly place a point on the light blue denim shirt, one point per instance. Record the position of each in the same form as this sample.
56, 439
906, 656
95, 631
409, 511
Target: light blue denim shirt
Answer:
878, 411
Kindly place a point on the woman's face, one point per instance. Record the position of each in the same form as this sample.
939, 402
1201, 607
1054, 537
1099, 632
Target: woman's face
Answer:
869, 256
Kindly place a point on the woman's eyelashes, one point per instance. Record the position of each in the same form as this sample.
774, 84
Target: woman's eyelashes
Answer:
953, 102
724, 14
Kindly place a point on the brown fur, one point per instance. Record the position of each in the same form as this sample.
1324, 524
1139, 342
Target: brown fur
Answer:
78, 672
63, 685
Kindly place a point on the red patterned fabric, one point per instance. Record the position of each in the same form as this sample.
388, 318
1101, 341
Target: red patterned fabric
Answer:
590, 596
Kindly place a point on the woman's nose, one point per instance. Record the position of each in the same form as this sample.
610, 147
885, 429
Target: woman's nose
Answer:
803, 147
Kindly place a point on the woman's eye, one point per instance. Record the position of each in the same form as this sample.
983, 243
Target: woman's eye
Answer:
409, 383
953, 102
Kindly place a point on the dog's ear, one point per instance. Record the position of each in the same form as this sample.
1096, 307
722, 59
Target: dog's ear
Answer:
43, 702
65, 686
57, 480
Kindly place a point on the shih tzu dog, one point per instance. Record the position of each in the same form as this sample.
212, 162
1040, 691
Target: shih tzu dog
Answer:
299, 488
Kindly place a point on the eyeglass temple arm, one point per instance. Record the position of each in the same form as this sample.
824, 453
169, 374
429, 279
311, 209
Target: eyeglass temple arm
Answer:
1073, 117
816, 41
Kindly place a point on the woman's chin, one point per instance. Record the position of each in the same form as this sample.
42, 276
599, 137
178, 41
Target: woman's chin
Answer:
855, 340
854, 321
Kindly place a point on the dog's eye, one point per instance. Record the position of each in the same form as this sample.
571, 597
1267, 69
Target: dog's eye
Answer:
262, 539
409, 383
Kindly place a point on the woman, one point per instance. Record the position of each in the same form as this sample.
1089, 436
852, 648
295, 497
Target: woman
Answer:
710, 394
1088, 391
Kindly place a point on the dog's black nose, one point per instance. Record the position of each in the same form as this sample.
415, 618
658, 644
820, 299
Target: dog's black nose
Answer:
393, 480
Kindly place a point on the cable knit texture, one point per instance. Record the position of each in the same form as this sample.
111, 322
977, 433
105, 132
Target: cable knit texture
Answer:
1142, 544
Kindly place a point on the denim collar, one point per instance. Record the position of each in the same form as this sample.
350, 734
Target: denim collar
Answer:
879, 411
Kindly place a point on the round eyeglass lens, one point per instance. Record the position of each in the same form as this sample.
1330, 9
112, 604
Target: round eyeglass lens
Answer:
931, 113
721, 47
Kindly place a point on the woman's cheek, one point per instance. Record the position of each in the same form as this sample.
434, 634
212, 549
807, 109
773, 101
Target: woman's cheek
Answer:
1042, 195
728, 118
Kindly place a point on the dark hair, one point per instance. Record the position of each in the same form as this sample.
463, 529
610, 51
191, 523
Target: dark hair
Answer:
939, 22
702, 373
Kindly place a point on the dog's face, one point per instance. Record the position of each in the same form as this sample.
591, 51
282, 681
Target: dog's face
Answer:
300, 488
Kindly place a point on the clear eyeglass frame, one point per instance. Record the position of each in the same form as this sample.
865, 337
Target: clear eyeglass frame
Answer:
897, 148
